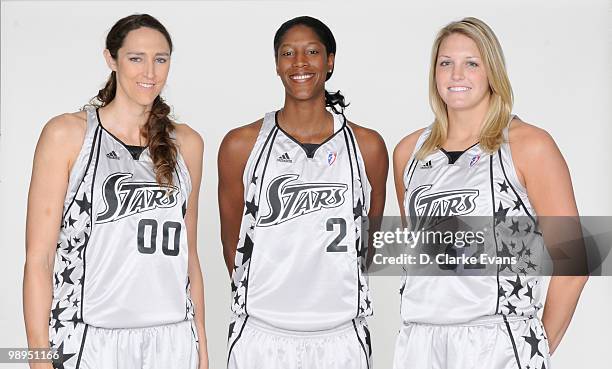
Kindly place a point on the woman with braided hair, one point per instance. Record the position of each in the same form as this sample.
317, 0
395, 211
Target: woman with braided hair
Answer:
120, 285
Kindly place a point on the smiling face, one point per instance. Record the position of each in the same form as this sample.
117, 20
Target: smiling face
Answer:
302, 63
142, 64
461, 76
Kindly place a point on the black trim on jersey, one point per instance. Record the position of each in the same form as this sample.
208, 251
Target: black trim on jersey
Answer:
91, 215
494, 231
365, 353
263, 148
229, 354
273, 133
452, 158
516, 356
309, 153
125, 146
348, 148
93, 148
501, 163
356, 162
78, 363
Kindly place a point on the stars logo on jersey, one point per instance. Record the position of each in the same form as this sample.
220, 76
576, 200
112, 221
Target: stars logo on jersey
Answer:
331, 157
123, 198
439, 205
288, 200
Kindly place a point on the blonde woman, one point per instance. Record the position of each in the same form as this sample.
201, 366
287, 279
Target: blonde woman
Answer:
480, 155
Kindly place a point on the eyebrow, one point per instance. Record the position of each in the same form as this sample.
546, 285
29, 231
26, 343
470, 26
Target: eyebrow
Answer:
469, 57
307, 44
141, 53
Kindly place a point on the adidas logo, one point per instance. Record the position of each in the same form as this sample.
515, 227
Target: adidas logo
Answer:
426, 165
284, 158
112, 155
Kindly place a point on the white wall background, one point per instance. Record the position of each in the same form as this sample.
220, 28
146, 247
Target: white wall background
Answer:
559, 55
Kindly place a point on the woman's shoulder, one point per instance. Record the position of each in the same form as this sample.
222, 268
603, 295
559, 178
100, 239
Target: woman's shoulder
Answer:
188, 137
405, 147
66, 129
529, 140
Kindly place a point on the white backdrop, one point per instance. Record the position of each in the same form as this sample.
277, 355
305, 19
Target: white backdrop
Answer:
222, 76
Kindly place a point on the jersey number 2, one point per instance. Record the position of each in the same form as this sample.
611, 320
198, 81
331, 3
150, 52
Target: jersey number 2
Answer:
335, 246
152, 224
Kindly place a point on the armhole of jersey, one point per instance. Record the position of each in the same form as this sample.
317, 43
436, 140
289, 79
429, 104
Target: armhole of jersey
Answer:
509, 170
265, 132
81, 165
412, 159
361, 170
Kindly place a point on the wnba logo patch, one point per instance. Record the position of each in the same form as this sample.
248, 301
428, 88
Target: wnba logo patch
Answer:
331, 157
288, 200
123, 198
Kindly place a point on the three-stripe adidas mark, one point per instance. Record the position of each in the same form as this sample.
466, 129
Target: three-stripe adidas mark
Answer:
285, 158
427, 165
112, 155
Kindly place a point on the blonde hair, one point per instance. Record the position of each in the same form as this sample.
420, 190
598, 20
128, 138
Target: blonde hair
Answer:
500, 107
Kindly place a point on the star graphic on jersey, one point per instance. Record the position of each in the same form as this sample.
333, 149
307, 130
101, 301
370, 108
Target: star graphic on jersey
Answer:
66, 275
71, 221
529, 293
358, 209
503, 187
528, 228
69, 296
514, 227
512, 244
501, 292
543, 366
58, 324
517, 285
254, 180
359, 285
70, 247
74, 319
534, 342
517, 205
55, 313
64, 260
237, 299
530, 264
522, 271
56, 279
231, 330
75, 303
76, 240
62, 357
500, 214
505, 253
84, 205
244, 283
251, 207
234, 287
368, 302
511, 308
246, 249
528, 253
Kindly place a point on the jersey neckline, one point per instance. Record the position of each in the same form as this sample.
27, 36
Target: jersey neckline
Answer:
129, 148
455, 155
311, 149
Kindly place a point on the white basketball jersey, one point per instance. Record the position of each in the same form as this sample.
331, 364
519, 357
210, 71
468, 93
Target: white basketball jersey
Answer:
299, 259
121, 257
476, 185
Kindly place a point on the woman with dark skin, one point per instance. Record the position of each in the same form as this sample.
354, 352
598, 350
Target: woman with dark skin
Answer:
293, 188
120, 182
